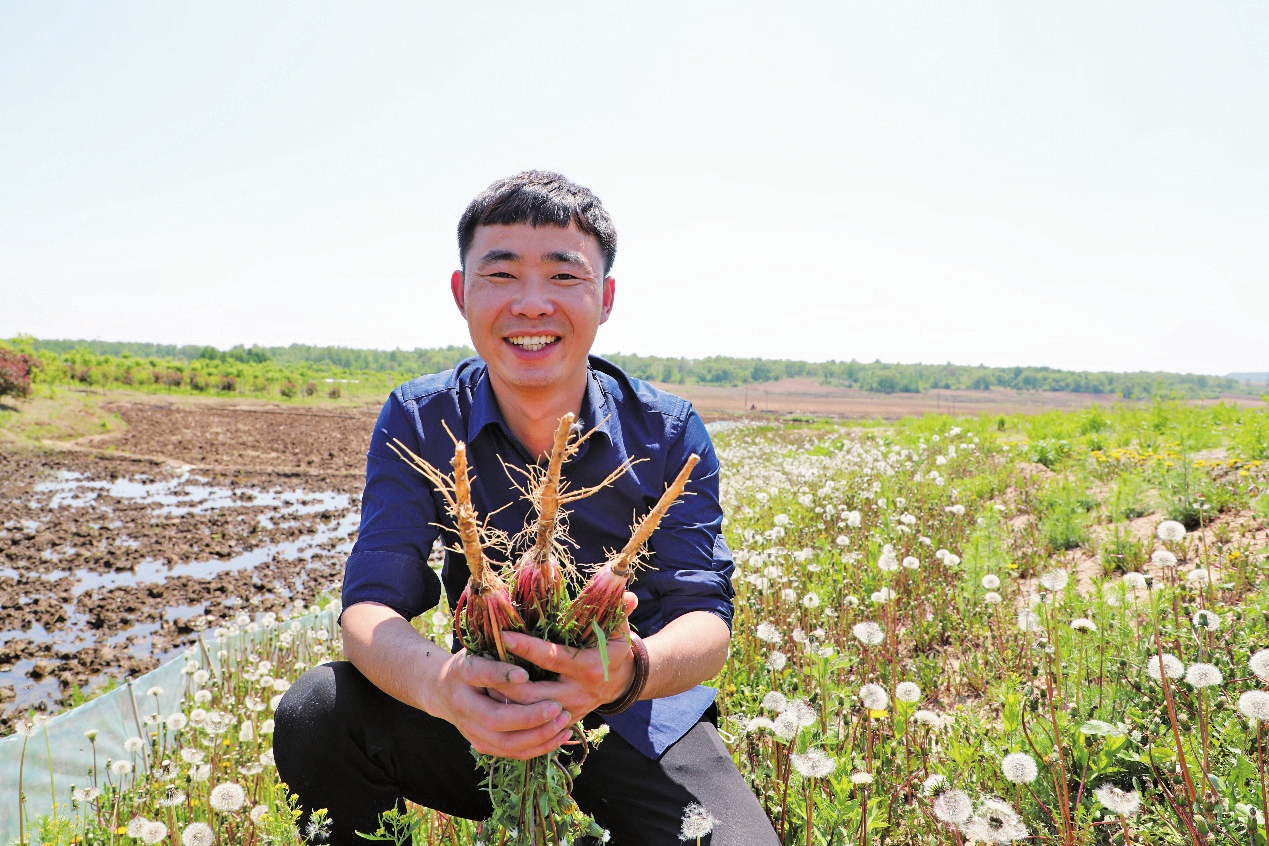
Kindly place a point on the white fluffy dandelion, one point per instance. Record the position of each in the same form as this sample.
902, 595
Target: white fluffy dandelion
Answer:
776, 661
696, 823
814, 763
1134, 580
907, 692
198, 834
1055, 580
228, 797
1199, 576
774, 700
933, 783
868, 633
1255, 705
1259, 664
911, 562
1167, 664
154, 832
991, 581
802, 713
1170, 530
995, 822
992, 598
1204, 619
1124, 803
768, 632
953, 806
861, 778
135, 826
121, 768
1083, 624
1019, 768
1203, 675
1163, 558
874, 697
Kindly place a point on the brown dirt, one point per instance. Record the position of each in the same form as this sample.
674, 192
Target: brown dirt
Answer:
806, 396
115, 547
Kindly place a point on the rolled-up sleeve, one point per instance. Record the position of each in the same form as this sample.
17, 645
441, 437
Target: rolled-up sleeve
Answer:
388, 564
693, 566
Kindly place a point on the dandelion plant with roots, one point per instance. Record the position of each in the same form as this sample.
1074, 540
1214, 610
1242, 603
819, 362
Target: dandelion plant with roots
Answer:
532, 805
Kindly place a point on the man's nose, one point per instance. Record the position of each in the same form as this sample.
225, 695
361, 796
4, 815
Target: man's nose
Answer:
534, 299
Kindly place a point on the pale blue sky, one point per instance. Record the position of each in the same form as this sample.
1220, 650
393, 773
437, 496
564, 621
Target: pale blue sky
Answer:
1079, 185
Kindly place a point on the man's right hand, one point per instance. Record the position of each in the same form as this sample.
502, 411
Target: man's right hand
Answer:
475, 694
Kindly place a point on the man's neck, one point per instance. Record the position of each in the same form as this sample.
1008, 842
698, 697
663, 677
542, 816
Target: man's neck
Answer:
532, 416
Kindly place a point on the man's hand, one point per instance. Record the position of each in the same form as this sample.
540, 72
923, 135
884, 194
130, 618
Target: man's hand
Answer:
582, 684
482, 697
477, 695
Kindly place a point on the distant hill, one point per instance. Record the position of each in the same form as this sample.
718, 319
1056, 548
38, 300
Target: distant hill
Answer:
1251, 378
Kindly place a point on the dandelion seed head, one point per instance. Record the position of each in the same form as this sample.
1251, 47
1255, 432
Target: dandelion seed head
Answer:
154, 832
1203, 675
1199, 576
995, 822
1168, 664
785, 726
85, 794
911, 563
992, 598
953, 806
1259, 664
757, 724
811, 600
121, 768
1170, 530
228, 797
177, 721
1163, 558
774, 700
888, 562
1028, 621
696, 823
1123, 803
768, 632
132, 745
776, 661
1254, 705
884, 594
24, 727
933, 783
874, 697
926, 717
1019, 768
198, 834
814, 763
1204, 619
257, 813
135, 826
802, 713
1055, 580
991, 581
861, 778
1134, 580
1083, 624
907, 692
868, 633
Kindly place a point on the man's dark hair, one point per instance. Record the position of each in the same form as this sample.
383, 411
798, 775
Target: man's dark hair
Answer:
538, 198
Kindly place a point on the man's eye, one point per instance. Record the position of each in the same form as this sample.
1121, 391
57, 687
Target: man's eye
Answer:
566, 277
500, 274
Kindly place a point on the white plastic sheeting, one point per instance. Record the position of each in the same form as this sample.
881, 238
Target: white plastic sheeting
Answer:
61, 748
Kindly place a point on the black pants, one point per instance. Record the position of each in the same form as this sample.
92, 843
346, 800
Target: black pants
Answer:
344, 745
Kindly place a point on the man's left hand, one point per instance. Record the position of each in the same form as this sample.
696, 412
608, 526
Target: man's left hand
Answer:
581, 686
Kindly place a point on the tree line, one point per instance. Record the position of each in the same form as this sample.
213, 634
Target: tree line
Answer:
305, 370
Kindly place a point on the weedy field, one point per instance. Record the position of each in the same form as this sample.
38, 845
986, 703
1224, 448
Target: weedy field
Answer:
1047, 630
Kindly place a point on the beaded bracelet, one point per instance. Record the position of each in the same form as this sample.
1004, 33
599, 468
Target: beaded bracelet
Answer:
639, 653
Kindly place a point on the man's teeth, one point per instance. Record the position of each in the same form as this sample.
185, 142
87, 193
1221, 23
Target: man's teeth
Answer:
532, 343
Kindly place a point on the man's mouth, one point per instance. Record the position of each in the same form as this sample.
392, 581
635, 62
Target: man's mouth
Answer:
532, 343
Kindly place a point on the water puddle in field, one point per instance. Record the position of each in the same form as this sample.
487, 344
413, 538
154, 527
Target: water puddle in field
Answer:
182, 495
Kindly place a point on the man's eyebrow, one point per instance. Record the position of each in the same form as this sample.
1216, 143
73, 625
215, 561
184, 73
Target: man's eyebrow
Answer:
498, 255
566, 257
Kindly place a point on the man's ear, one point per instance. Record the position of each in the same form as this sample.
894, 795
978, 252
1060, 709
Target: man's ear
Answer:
610, 290
460, 295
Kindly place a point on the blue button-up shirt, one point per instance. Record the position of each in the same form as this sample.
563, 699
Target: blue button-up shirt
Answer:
688, 567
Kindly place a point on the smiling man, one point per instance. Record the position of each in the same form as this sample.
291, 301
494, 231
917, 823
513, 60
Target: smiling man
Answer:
399, 718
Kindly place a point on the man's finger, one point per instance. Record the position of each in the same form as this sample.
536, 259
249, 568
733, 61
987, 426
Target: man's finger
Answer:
548, 656
486, 672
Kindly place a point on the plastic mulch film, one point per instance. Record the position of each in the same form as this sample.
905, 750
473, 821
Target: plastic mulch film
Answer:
61, 747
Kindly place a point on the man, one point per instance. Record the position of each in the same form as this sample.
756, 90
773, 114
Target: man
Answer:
399, 718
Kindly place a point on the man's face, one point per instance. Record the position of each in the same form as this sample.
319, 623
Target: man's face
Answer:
533, 297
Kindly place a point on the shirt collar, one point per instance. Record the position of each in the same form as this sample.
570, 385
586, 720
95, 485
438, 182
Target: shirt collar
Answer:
597, 409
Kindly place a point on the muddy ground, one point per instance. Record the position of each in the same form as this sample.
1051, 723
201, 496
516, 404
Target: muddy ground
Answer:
114, 549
